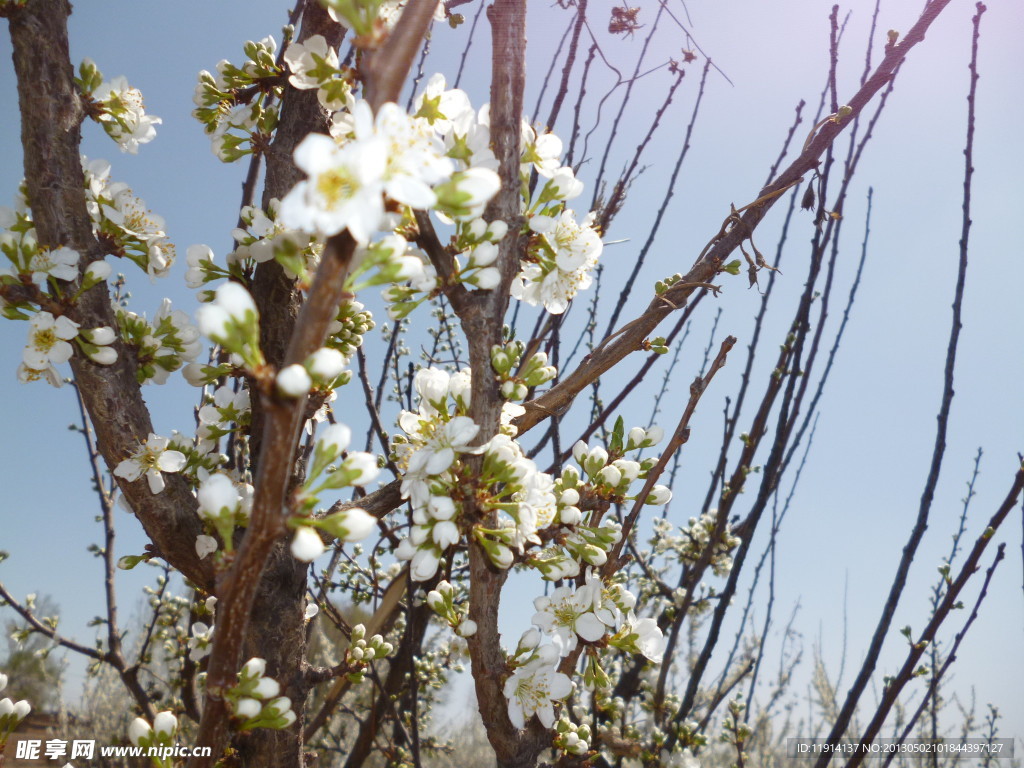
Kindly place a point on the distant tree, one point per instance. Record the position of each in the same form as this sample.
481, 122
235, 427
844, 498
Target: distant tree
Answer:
32, 671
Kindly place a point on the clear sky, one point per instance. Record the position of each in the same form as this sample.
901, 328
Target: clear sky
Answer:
859, 494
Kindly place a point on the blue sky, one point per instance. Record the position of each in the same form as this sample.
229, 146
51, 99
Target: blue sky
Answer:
860, 491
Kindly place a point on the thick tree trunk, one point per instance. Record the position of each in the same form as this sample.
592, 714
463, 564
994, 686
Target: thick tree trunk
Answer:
276, 629
277, 634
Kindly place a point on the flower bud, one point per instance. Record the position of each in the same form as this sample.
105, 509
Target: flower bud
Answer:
580, 451
306, 544
193, 373
96, 272
445, 534
104, 356
100, 336
655, 435
165, 723
529, 640
496, 230
659, 494
267, 688
254, 667
334, 439
247, 708
139, 730
293, 381
21, 709
610, 476
326, 363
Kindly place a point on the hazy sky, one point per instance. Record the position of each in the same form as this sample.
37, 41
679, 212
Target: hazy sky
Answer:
859, 494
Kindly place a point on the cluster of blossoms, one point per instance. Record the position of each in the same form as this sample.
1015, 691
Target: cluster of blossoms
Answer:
690, 543
117, 107
527, 502
525, 499
122, 222
37, 272
160, 734
590, 612
562, 252
124, 228
38, 277
235, 125
261, 241
518, 378
561, 257
437, 158
264, 238
346, 332
161, 347
314, 65
370, 155
443, 600
366, 178
228, 410
223, 505
11, 713
603, 474
255, 702
361, 652
434, 436
596, 613
571, 738
476, 246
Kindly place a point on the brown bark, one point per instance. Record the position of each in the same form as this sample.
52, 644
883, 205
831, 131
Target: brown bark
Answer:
276, 630
239, 589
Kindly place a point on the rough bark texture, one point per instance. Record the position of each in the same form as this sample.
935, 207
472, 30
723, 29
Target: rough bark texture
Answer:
276, 630
482, 324
239, 589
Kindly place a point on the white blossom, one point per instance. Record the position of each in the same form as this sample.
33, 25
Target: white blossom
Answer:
532, 689
254, 667
61, 263
205, 545
267, 688
247, 708
125, 118
305, 57
217, 494
152, 459
566, 614
200, 644
48, 339
566, 253
344, 188
466, 628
